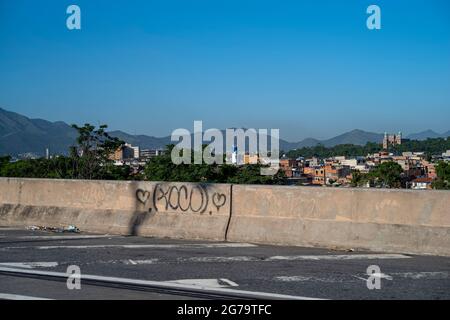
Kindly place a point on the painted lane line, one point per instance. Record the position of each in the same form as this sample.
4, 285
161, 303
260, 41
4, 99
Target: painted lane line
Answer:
381, 276
295, 258
229, 282
425, 275
30, 265
67, 237
135, 262
218, 259
210, 283
429, 275
375, 275
163, 285
8, 296
224, 259
142, 246
422, 275
341, 257
306, 278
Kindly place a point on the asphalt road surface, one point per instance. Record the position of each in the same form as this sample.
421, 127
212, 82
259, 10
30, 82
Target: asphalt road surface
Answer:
34, 264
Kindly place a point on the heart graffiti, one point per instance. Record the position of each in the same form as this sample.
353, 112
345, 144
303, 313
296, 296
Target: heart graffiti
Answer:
142, 195
181, 197
219, 200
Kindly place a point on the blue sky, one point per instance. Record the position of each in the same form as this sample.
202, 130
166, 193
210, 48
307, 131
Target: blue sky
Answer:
310, 68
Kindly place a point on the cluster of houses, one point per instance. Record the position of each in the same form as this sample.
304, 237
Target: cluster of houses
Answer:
338, 171
334, 171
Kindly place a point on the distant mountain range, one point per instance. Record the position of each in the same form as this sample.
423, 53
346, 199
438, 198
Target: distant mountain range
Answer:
20, 134
428, 134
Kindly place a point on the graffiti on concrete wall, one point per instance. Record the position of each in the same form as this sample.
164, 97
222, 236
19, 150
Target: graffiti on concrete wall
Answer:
182, 198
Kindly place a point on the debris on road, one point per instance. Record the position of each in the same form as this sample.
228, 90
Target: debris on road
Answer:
70, 228
33, 228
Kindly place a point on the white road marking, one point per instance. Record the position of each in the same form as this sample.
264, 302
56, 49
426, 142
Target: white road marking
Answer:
229, 282
376, 275
294, 258
225, 259
422, 275
165, 285
210, 283
30, 265
143, 246
8, 296
306, 278
429, 275
67, 237
218, 259
381, 276
135, 262
341, 257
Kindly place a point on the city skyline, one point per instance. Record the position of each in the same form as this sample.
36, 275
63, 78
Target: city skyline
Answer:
149, 68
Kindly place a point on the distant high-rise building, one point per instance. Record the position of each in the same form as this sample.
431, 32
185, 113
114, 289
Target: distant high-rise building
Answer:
146, 154
125, 152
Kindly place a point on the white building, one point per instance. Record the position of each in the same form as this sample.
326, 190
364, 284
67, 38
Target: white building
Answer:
421, 183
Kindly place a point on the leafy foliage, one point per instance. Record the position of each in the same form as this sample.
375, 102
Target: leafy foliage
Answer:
162, 168
429, 146
91, 156
443, 173
385, 175
88, 160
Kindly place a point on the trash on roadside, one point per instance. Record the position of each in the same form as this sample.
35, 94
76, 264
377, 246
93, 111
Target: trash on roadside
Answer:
351, 250
70, 228
34, 228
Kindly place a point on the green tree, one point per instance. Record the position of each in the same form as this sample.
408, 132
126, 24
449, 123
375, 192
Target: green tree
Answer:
443, 176
386, 175
4, 161
93, 152
161, 168
429, 146
89, 159
359, 179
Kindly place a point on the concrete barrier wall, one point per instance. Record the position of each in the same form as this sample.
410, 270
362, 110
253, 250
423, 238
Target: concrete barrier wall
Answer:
376, 219
176, 210
383, 220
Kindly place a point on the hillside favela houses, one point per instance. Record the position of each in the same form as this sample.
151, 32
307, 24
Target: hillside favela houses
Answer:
418, 169
339, 170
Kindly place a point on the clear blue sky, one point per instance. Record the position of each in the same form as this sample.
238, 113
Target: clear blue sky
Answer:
310, 68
